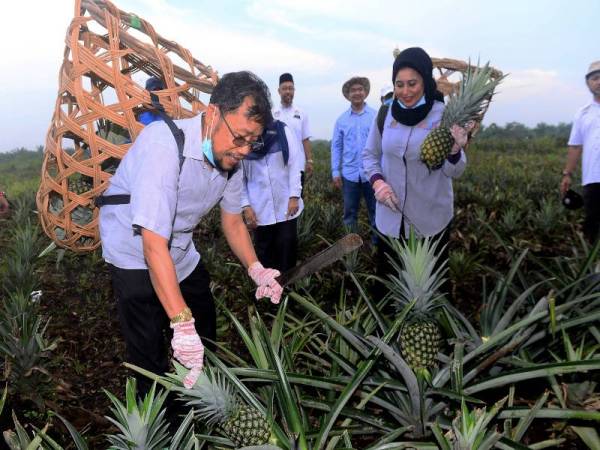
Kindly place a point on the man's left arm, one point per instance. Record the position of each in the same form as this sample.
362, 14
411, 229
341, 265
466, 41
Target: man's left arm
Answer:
308, 155
239, 241
238, 238
307, 146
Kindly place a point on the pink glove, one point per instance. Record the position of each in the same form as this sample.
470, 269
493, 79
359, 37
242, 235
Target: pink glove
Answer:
188, 350
266, 282
385, 194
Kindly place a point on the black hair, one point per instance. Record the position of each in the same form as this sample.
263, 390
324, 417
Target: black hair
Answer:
234, 87
284, 77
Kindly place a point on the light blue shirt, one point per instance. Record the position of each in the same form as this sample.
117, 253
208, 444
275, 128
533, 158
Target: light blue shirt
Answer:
163, 200
268, 184
426, 197
349, 138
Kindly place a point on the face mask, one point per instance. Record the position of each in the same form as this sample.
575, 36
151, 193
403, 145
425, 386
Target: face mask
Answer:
419, 103
207, 147
207, 150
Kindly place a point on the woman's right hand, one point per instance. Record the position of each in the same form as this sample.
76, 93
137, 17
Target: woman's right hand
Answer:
385, 194
249, 217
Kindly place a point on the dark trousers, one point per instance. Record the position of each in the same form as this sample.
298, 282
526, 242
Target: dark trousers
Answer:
277, 245
591, 203
385, 268
144, 323
352, 192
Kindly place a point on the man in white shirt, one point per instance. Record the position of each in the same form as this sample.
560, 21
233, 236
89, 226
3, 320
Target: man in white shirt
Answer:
585, 140
271, 196
295, 118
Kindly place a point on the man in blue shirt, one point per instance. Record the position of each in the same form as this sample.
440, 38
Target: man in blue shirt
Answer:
349, 137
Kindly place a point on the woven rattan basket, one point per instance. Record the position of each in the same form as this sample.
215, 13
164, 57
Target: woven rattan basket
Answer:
446, 71
108, 56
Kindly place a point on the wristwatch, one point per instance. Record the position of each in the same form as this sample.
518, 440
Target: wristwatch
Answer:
566, 173
184, 316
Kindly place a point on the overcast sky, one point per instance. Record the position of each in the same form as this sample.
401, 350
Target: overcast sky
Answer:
545, 46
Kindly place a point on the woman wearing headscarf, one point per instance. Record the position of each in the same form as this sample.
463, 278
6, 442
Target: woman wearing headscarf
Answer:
409, 195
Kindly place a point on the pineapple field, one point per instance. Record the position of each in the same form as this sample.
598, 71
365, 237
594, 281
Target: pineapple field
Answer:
505, 355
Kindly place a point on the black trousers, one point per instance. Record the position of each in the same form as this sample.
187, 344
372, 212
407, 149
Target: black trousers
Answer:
144, 323
591, 203
384, 267
277, 245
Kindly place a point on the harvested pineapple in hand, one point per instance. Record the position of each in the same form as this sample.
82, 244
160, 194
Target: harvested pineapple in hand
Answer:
462, 110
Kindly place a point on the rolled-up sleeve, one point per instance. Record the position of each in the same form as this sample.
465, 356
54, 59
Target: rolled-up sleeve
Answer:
295, 163
455, 170
232, 196
305, 128
154, 188
244, 195
371, 154
576, 137
337, 145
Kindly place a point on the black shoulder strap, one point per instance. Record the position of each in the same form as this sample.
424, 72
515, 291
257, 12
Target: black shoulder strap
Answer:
178, 135
175, 130
383, 109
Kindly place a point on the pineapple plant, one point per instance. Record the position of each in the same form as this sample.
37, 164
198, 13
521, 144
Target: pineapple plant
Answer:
217, 405
477, 88
141, 422
419, 278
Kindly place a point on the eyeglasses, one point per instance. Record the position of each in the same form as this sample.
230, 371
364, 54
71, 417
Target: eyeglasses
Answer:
240, 141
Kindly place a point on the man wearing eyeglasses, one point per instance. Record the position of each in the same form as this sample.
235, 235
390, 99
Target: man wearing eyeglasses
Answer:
157, 273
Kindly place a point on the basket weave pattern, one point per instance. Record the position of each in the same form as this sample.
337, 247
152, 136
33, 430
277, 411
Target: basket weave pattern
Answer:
95, 116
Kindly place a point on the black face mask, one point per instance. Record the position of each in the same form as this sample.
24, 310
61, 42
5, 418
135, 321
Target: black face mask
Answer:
413, 116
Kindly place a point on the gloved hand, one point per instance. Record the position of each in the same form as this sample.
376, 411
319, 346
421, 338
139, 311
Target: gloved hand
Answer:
385, 194
266, 282
188, 350
460, 136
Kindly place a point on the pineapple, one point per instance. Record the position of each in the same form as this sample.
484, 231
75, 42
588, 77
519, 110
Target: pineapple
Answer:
419, 280
80, 185
218, 406
476, 89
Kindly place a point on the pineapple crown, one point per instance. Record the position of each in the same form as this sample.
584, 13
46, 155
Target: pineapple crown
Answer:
212, 395
476, 90
419, 276
140, 422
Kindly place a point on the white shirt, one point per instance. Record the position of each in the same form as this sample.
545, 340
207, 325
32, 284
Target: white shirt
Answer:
268, 184
586, 132
297, 120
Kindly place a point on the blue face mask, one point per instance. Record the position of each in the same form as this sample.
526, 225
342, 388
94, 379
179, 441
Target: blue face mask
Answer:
208, 151
419, 103
207, 147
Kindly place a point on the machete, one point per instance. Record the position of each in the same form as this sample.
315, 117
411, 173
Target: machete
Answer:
324, 258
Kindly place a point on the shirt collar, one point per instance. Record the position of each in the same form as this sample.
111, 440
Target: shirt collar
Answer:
364, 110
192, 148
